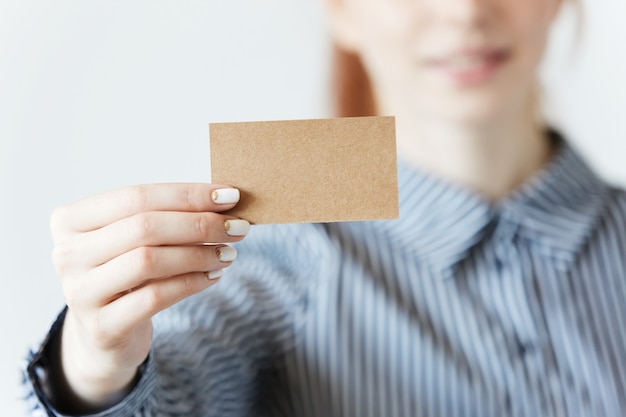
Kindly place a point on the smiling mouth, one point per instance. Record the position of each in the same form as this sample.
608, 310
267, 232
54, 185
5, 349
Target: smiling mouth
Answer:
470, 67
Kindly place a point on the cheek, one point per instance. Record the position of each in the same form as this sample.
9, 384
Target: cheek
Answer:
531, 26
389, 33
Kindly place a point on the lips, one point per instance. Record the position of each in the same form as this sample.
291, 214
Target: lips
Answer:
468, 67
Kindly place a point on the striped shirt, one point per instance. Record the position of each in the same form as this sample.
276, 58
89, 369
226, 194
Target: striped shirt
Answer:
460, 308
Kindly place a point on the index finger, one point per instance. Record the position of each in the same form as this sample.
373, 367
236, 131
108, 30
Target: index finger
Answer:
95, 212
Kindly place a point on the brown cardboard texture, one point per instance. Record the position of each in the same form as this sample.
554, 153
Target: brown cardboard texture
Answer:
297, 171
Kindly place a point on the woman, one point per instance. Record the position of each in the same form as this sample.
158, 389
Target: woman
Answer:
498, 292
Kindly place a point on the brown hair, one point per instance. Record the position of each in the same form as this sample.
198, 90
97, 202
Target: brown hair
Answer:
351, 87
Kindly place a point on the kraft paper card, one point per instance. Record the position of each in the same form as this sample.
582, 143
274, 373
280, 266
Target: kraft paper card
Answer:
300, 171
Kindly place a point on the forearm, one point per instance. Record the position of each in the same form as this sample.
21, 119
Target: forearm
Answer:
187, 368
47, 391
74, 388
79, 387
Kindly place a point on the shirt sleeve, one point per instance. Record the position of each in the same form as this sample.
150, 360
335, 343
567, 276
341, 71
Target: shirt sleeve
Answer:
211, 352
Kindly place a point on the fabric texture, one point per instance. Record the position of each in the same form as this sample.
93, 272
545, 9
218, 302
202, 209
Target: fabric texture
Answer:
460, 308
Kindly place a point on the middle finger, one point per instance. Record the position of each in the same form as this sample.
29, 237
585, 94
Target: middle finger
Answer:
158, 229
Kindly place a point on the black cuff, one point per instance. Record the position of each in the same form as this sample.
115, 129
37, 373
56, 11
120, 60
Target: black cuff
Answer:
41, 361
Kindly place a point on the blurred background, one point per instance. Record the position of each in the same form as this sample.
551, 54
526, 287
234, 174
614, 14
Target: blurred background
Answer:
99, 95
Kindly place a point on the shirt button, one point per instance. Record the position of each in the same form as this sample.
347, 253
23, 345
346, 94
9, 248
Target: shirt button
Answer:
503, 252
527, 348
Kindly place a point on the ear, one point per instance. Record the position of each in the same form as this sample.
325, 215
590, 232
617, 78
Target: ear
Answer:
341, 16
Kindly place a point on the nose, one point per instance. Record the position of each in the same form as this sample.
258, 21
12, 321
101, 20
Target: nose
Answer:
469, 12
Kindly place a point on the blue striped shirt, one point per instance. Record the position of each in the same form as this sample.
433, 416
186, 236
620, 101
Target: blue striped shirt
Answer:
460, 308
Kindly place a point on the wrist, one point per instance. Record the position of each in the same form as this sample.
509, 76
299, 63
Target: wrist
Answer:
89, 379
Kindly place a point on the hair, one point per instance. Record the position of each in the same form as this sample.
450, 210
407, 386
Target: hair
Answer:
352, 92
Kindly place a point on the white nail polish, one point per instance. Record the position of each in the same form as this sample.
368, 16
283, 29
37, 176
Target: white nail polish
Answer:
226, 253
225, 196
236, 227
214, 274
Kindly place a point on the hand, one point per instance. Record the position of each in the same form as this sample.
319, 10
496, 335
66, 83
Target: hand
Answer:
122, 257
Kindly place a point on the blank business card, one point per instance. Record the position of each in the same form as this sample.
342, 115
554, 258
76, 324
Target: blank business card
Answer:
298, 171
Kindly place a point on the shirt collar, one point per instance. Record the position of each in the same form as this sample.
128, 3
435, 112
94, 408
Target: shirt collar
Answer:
555, 212
558, 209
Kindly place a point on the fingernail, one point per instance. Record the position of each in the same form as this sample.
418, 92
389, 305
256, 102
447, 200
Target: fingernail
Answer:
226, 253
214, 274
236, 227
225, 196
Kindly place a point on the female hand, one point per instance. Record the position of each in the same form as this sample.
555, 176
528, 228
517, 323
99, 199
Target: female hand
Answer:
122, 257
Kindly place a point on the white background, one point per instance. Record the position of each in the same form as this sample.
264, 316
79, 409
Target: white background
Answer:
98, 95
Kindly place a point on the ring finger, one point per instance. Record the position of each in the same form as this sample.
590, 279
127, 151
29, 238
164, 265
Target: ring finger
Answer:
140, 265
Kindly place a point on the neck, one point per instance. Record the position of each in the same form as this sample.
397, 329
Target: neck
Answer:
492, 160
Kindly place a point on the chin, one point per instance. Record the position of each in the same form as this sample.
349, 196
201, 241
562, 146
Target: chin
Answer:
474, 108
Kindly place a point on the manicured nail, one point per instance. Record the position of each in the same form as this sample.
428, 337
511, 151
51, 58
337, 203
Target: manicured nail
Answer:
226, 253
236, 227
214, 274
225, 196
